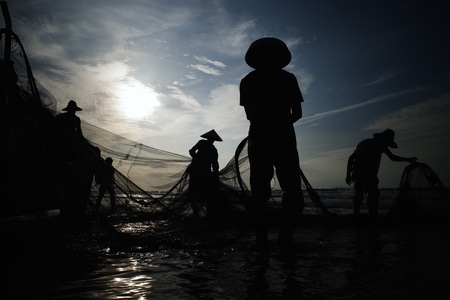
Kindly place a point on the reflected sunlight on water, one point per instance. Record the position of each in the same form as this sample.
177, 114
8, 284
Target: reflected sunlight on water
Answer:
348, 261
334, 263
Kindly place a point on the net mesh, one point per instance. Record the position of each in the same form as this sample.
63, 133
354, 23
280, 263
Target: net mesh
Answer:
422, 193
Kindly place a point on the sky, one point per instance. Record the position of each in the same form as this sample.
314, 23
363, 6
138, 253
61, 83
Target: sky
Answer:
164, 72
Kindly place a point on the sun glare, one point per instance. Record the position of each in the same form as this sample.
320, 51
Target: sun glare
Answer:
137, 100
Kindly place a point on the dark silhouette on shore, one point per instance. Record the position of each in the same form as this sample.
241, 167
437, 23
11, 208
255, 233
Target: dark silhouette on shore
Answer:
363, 165
74, 168
68, 126
204, 173
272, 101
104, 176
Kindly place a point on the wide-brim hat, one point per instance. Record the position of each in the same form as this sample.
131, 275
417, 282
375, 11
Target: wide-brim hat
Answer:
268, 52
72, 106
212, 135
387, 137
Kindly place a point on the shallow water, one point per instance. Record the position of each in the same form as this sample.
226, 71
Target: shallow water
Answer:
348, 261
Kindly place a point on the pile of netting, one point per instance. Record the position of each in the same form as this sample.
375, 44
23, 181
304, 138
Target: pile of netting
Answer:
422, 194
159, 179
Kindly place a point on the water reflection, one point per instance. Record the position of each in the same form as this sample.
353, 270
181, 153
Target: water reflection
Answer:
332, 263
348, 262
131, 279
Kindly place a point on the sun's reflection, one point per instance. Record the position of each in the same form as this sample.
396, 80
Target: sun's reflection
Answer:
132, 281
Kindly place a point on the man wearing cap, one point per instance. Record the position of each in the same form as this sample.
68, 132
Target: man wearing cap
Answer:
272, 101
363, 165
204, 171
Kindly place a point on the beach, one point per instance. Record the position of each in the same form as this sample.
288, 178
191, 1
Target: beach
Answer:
349, 259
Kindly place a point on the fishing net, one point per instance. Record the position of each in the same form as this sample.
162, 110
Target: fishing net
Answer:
151, 186
422, 194
26, 121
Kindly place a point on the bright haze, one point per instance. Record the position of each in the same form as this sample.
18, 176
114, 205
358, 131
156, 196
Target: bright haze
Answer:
164, 72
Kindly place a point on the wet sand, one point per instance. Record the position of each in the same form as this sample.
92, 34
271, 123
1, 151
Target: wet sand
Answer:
344, 259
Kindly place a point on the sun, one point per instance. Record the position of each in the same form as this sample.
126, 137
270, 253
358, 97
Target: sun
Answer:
137, 100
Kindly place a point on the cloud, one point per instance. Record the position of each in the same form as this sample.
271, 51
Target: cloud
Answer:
428, 118
380, 98
305, 80
206, 69
187, 101
212, 62
224, 35
387, 75
224, 112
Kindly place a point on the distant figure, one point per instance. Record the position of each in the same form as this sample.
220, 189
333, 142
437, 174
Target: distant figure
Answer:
105, 177
204, 172
363, 165
95, 163
272, 101
70, 135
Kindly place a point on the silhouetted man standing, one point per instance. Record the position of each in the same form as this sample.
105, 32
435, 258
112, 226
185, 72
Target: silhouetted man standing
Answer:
272, 101
68, 126
105, 177
363, 165
204, 172
74, 175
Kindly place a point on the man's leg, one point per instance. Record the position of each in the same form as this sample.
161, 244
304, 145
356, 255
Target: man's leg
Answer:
193, 192
292, 207
112, 197
358, 197
373, 199
288, 174
101, 193
261, 192
261, 173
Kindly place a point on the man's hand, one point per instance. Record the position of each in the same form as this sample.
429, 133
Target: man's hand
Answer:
412, 160
348, 180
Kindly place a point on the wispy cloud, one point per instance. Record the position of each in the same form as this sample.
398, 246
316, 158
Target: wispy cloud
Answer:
305, 80
380, 98
212, 62
224, 112
389, 74
429, 118
206, 69
231, 38
187, 101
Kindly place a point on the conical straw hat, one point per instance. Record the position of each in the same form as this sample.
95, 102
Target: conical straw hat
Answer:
212, 134
72, 106
268, 52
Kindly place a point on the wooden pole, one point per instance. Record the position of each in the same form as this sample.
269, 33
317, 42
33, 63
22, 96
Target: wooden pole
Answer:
8, 27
